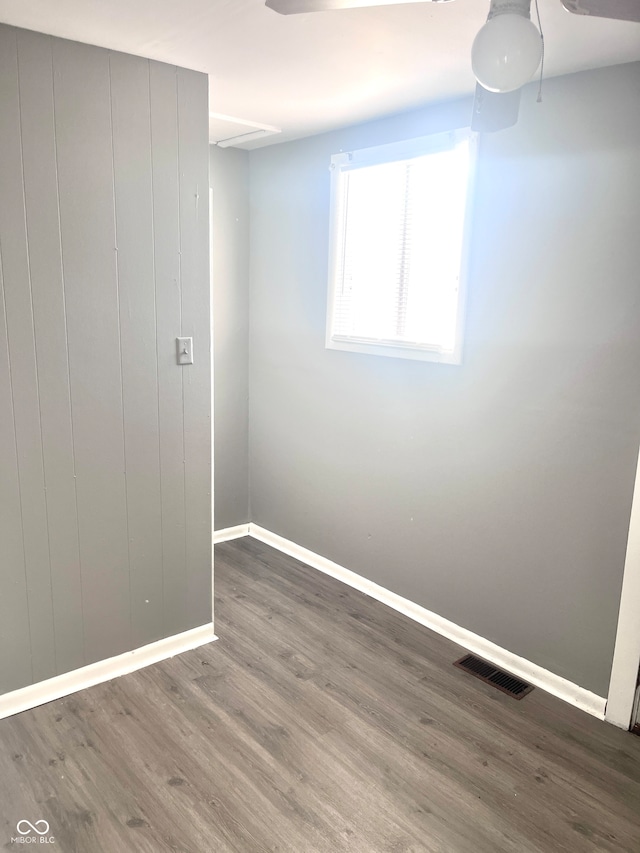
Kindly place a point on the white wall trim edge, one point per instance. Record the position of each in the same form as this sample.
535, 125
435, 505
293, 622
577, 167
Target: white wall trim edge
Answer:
626, 654
104, 670
531, 672
225, 534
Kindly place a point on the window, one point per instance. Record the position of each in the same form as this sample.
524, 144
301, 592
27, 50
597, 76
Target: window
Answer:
396, 275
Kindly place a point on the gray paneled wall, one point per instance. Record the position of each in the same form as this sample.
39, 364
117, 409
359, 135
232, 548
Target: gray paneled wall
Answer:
105, 443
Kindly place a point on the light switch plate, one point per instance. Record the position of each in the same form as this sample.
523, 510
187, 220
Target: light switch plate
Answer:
185, 350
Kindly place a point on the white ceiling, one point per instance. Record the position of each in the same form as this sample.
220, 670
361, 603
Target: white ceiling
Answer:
308, 73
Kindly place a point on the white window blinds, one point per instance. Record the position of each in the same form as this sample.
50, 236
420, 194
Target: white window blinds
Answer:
398, 228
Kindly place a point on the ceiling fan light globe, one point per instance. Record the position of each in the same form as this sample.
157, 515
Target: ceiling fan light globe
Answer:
506, 53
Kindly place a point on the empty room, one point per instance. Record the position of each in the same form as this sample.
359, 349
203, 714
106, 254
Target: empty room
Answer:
320, 426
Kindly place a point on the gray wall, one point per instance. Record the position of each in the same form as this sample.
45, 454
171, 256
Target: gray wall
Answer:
229, 175
496, 493
104, 440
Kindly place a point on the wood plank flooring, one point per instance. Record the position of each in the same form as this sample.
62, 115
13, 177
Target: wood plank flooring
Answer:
320, 721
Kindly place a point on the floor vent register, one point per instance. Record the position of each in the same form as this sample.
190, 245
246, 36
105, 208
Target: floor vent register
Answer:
496, 677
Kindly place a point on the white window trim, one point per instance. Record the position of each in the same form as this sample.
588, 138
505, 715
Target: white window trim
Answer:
405, 149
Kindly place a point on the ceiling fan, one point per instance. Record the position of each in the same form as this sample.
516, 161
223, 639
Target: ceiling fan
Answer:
505, 53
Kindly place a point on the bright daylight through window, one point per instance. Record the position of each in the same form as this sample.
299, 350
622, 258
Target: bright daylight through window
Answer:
398, 234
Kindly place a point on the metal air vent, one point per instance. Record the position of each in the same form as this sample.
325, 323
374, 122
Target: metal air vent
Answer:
492, 675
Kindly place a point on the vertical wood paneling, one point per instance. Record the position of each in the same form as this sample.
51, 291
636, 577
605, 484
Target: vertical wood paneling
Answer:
43, 229
85, 176
105, 536
194, 239
164, 148
15, 643
22, 357
134, 233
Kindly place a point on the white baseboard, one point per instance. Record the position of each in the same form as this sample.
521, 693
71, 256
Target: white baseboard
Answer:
525, 669
104, 670
228, 533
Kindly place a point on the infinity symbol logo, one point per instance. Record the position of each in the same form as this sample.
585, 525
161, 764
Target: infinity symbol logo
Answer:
32, 828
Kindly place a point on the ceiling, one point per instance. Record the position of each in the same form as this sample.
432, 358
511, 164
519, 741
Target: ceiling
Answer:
303, 74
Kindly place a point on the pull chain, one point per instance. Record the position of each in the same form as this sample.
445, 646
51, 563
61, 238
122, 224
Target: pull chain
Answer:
539, 98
